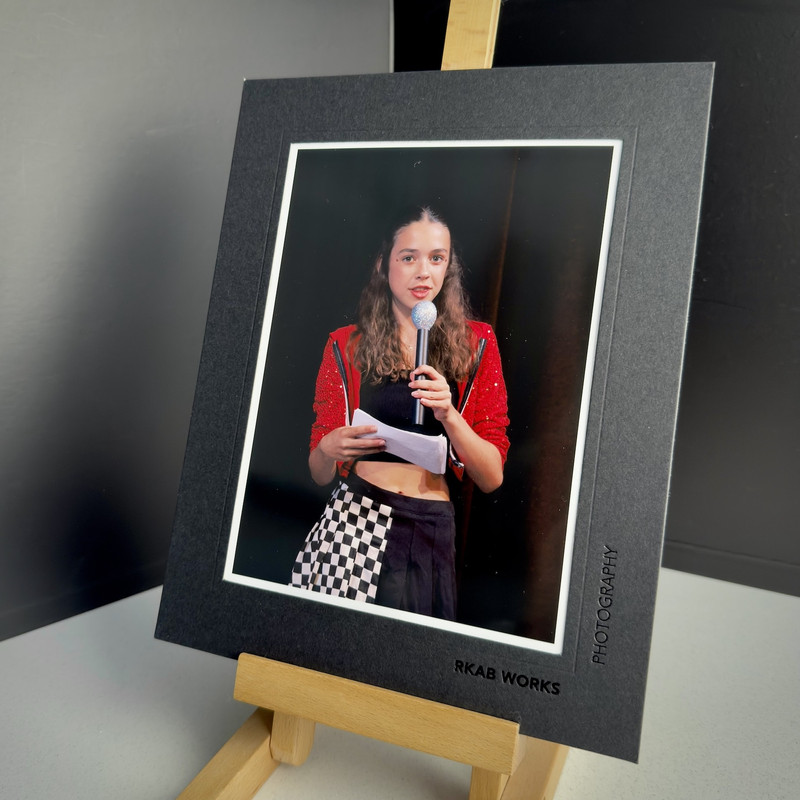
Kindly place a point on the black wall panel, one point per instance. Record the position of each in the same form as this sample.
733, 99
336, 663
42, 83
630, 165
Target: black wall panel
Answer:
735, 503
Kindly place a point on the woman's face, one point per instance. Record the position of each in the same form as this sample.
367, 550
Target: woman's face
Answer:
417, 264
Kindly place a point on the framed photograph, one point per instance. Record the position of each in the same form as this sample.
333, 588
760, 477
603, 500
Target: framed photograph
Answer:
432, 433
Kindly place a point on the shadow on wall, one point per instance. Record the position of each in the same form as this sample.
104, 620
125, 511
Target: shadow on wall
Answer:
95, 460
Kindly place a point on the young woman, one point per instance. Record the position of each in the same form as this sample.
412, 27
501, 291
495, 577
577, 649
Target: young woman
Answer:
388, 534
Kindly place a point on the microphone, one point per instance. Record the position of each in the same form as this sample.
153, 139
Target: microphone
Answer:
423, 315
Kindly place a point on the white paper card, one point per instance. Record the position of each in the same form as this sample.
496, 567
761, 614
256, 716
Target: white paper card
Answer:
429, 452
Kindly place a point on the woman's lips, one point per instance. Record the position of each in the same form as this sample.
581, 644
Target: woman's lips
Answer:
420, 292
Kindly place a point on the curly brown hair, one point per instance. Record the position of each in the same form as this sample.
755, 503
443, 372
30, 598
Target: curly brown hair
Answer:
376, 341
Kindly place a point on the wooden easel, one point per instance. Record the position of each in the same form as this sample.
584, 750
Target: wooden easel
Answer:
504, 764
291, 700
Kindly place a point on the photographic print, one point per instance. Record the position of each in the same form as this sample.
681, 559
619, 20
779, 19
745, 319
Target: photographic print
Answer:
433, 425
522, 229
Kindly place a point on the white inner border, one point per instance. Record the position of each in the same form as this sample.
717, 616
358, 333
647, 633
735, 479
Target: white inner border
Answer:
554, 647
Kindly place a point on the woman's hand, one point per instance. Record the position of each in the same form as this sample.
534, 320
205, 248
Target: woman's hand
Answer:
433, 391
481, 459
342, 444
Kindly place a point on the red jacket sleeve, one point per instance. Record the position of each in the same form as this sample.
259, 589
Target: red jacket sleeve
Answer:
330, 410
487, 407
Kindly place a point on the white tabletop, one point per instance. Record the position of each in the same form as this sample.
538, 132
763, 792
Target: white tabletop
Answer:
95, 707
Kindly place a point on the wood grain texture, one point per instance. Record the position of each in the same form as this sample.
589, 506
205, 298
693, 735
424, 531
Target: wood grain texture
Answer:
486, 785
538, 773
292, 738
471, 32
460, 735
240, 767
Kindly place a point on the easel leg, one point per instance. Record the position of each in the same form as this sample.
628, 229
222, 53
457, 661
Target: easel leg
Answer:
536, 776
239, 769
292, 738
486, 785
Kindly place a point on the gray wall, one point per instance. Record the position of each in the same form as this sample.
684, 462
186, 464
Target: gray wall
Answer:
117, 123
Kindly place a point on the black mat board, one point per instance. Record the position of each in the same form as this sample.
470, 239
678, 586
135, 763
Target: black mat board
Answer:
571, 667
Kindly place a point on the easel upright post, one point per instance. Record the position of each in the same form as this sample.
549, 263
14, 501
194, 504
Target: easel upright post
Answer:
471, 34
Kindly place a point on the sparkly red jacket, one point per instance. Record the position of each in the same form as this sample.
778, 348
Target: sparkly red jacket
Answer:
482, 400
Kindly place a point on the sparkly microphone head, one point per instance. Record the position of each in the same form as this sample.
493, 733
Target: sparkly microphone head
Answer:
423, 315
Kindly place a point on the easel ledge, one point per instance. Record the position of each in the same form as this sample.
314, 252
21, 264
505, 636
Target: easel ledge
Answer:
504, 764
291, 700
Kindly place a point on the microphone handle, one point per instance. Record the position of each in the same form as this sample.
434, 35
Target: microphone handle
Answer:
422, 358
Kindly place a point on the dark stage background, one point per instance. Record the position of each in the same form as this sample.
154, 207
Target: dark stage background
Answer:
734, 503
528, 223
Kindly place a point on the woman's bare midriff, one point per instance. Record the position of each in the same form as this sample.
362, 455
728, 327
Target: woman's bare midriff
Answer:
407, 479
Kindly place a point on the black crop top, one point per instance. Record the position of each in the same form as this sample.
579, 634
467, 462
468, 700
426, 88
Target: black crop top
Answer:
391, 403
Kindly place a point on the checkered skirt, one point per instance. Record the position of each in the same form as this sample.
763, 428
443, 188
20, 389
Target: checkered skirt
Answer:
343, 551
